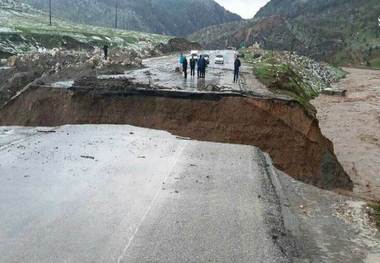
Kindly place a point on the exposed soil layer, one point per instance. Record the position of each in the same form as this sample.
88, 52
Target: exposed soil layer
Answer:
179, 44
280, 127
353, 124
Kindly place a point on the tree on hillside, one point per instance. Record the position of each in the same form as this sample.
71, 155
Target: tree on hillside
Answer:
50, 12
116, 12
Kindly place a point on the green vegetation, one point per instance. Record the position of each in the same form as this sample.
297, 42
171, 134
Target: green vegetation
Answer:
282, 78
24, 29
375, 214
375, 63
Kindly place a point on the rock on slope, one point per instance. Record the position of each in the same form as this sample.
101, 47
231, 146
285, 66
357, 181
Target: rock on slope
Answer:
333, 30
173, 17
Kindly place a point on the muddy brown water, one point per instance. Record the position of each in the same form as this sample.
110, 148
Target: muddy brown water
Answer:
280, 127
353, 124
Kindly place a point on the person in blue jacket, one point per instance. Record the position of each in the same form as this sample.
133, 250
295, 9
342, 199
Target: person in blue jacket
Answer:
181, 60
199, 67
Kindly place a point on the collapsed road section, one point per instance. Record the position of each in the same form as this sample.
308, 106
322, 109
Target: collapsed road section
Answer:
279, 126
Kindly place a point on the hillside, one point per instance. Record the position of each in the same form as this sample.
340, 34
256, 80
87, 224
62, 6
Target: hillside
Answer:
333, 30
170, 17
23, 28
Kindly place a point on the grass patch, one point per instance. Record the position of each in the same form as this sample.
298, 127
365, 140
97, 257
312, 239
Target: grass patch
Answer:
293, 75
375, 214
26, 30
375, 63
283, 79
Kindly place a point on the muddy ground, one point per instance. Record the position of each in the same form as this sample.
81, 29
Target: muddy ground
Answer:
353, 124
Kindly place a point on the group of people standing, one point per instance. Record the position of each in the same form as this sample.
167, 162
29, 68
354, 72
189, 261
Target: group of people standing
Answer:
201, 64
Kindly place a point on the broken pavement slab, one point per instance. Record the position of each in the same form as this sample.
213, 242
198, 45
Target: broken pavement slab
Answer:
116, 210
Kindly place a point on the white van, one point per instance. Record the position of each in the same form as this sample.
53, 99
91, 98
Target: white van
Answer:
219, 59
194, 54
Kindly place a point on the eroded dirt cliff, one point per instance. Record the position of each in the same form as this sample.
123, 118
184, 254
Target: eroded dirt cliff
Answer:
280, 127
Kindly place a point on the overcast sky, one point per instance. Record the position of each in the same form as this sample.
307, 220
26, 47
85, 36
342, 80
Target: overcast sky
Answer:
245, 8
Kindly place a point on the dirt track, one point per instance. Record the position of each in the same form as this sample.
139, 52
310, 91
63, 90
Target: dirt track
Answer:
353, 124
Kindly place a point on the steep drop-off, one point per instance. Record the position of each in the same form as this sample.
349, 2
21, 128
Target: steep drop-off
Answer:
280, 127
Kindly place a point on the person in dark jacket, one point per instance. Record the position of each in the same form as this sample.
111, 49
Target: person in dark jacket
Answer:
193, 61
199, 67
204, 66
237, 66
105, 50
184, 67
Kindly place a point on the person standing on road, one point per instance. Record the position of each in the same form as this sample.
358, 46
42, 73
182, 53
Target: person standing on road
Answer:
193, 61
184, 67
199, 67
181, 58
105, 50
237, 66
204, 65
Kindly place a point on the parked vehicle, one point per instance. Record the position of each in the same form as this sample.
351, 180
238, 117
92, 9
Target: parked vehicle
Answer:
219, 59
194, 54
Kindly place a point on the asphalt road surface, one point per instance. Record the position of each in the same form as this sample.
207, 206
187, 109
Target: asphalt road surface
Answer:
90, 194
160, 73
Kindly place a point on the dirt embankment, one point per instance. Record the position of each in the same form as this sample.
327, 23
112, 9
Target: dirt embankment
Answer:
179, 44
279, 127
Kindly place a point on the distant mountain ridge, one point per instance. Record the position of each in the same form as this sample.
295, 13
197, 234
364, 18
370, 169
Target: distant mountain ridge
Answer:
337, 31
169, 17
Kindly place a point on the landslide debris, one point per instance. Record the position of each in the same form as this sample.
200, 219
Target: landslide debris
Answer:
37, 52
178, 44
58, 64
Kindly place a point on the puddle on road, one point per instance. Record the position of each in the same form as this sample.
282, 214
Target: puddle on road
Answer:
161, 72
